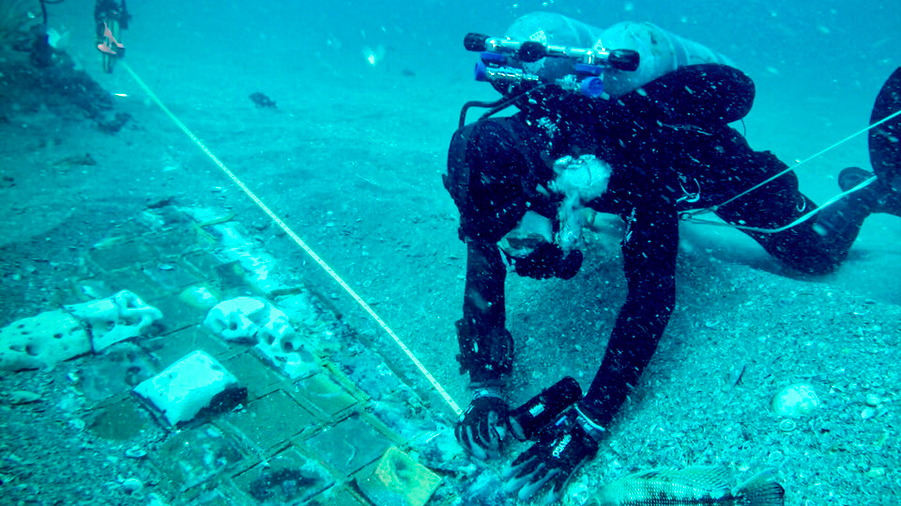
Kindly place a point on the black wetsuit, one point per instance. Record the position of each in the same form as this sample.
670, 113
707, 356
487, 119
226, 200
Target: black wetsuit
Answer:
105, 10
670, 151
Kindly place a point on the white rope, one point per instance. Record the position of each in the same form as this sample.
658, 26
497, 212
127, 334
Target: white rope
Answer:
689, 215
297, 240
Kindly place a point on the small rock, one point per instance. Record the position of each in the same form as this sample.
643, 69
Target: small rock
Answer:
787, 425
135, 453
17, 397
132, 485
876, 472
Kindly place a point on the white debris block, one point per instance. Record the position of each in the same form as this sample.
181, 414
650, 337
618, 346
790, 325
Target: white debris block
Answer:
115, 319
251, 320
53, 336
42, 341
186, 387
238, 319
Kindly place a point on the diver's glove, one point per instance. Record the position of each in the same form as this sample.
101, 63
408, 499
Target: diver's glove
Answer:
531, 418
484, 425
548, 260
561, 449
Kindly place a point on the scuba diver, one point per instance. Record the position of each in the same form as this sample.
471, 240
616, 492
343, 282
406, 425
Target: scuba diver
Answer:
41, 50
110, 18
632, 121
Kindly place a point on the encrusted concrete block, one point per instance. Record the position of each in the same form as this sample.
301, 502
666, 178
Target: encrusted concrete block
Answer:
170, 275
171, 347
343, 496
42, 341
121, 420
287, 478
259, 377
238, 319
327, 395
200, 296
194, 456
120, 252
399, 479
272, 420
349, 445
179, 315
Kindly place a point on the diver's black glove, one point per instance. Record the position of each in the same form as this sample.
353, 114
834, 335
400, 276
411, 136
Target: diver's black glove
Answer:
548, 260
561, 449
528, 420
484, 425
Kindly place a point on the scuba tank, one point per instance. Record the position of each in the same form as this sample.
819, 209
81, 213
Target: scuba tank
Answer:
660, 52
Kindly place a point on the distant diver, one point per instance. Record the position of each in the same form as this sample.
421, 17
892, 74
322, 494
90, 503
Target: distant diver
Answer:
631, 121
41, 49
110, 18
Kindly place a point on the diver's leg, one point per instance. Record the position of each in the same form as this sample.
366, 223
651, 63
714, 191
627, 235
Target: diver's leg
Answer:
733, 166
804, 247
819, 245
840, 223
875, 193
880, 197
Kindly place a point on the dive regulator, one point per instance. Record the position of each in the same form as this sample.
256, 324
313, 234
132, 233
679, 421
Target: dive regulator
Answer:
509, 62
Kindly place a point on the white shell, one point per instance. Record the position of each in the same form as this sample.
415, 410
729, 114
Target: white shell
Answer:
795, 400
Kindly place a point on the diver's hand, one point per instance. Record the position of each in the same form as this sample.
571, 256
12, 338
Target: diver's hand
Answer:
548, 260
559, 452
484, 425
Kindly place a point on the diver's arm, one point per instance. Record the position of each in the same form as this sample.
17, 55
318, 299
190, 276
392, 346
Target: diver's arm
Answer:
649, 249
486, 348
486, 352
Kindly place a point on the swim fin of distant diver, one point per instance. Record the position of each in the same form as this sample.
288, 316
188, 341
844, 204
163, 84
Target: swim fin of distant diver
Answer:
885, 139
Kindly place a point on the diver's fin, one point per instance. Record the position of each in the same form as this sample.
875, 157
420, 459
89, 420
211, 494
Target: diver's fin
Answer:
850, 177
761, 490
885, 140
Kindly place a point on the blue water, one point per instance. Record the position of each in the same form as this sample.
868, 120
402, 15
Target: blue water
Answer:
818, 61
855, 38
835, 42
